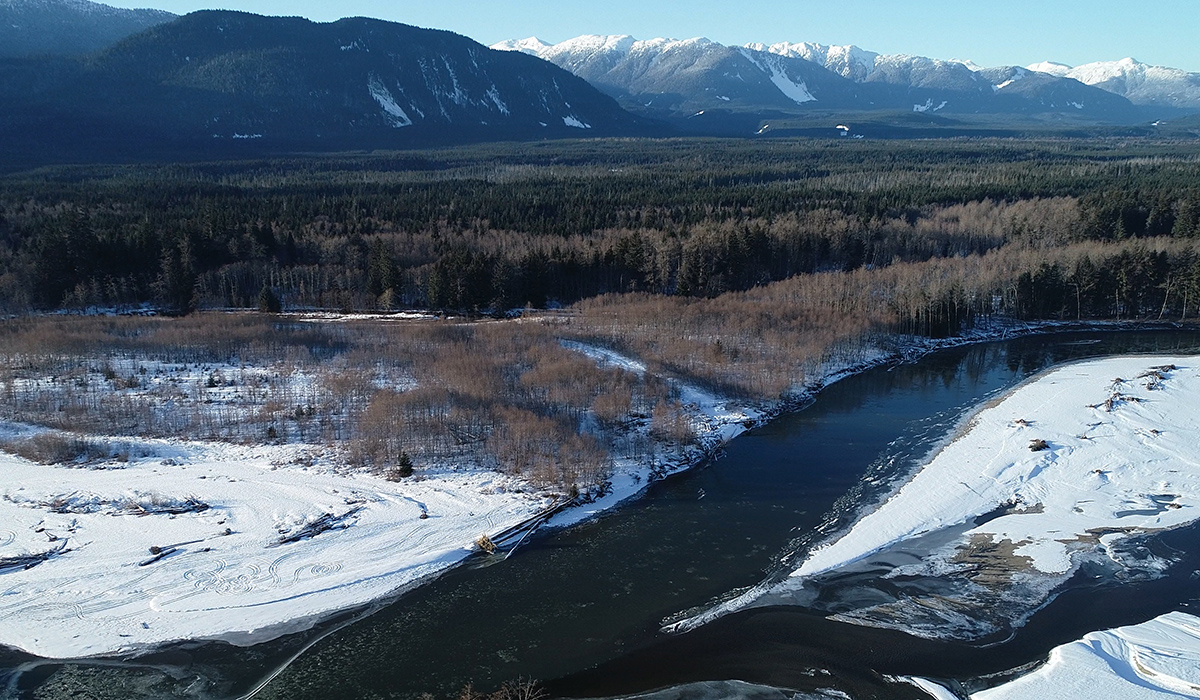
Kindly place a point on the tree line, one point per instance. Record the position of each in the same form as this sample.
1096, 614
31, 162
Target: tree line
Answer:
497, 228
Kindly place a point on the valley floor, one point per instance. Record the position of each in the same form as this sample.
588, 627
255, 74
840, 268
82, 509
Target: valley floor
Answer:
208, 540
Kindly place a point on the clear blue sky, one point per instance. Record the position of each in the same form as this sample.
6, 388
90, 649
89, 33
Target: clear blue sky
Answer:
1013, 32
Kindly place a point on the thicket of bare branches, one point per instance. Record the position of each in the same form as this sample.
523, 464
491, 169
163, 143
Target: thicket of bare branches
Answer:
508, 395
764, 342
502, 395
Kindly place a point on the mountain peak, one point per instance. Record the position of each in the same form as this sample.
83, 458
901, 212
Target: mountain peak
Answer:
848, 61
1139, 82
1056, 69
532, 45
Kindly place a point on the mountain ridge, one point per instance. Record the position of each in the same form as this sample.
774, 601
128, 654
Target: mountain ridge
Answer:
217, 77
684, 80
68, 27
1139, 82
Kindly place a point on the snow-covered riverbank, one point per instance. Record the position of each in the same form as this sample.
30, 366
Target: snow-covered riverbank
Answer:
101, 594
179, 540
1156, 659
205, 541
1067, 468
1091, 451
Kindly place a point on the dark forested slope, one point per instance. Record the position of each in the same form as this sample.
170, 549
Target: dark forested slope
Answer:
218, 82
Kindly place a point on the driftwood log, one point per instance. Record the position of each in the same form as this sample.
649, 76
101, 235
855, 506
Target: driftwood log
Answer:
28, 561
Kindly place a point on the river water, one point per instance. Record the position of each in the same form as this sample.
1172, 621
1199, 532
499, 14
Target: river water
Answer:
582, 608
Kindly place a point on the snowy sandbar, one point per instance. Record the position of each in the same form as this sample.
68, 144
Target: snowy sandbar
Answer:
1156, 659
216, 541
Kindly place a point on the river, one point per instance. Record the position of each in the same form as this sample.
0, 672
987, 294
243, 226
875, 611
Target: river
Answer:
582, 608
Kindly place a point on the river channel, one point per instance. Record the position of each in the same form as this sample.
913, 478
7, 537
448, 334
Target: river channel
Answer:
582, 608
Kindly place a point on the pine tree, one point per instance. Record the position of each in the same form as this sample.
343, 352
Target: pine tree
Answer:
268, 301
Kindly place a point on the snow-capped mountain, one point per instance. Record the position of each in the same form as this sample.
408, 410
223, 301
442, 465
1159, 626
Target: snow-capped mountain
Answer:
686, 77
689, 78
36, 27
1008, 84
847, 61
1138, 82
216, 77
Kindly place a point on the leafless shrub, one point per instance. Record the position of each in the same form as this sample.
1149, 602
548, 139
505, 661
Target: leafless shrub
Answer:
57, 448
519, 689
670, 422
139, 504
1038, 445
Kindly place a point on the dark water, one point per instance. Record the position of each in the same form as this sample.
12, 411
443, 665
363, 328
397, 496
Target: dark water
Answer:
584, 606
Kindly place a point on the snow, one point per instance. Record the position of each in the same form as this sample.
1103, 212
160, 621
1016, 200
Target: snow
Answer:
847, 61
1006, 83
796, 92
96, 598
227, 521
1139, 82
1135, 467
938, 691
1059, 70
226, 575
532, 46
494, 95
338, 317
1120, 461
575, 122
573, 53
928, 106
1156, 659
383, 96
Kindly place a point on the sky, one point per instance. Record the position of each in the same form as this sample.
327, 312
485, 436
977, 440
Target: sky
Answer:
990, 33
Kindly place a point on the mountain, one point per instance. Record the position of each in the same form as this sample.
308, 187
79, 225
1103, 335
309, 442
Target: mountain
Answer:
1138, 82
963, 87
69, 27
847, 61
690, 79
683, 77
216, 77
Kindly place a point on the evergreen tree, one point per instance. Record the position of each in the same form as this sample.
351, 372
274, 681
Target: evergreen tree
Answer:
268, 301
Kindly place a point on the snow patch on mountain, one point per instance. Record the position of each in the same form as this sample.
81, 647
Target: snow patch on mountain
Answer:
1018, 75
494, 95
394, 113
796, 92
